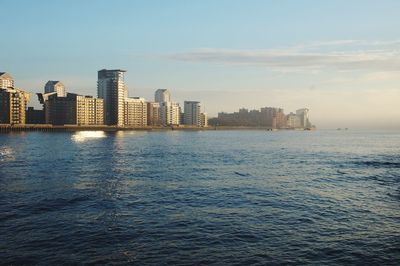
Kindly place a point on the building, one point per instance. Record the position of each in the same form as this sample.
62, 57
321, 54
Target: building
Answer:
162, 95
73, 109
55, 86
192, 113
204, 119
293, 121
89, 110
303, 116
170, 113
6, 81
111, 88
13, 101
135, 112
13, 104
153, 114
35, 116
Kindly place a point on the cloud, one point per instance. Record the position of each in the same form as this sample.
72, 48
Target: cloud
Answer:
304, 57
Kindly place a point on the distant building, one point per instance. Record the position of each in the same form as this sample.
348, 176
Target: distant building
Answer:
55, 86
111, 88
169, 113
192, 113
73, 109
162, 95
303, 116
13, 101
293, 121
135, 112
204, 119
6, 81
153, 114
35, 116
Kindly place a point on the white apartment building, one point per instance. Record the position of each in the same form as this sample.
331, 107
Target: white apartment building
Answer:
135, 112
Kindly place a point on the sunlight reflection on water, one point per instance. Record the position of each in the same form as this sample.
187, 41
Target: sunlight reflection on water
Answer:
82, 136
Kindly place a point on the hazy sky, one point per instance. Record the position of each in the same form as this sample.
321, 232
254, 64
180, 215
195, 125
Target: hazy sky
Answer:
341, 59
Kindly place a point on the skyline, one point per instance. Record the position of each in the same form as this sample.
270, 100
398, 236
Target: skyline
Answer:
341, 60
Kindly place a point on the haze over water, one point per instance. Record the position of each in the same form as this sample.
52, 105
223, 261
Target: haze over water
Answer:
206, 197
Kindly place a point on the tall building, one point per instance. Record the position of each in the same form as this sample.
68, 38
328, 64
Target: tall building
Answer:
293, 121
55, 86
162, 95
73, 109
153, 114
170, 113
204, 119
111, 88
13, 101
135, 112
13, 104
303, 116
192, 113
6, 81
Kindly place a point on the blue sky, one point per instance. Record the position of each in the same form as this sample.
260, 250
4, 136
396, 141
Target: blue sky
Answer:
341, 59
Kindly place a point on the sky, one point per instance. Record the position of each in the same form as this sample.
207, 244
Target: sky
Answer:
340, 59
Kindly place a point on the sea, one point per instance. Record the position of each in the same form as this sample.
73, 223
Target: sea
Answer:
239, 197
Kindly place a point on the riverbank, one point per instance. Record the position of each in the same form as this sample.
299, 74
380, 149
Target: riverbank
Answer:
52, 128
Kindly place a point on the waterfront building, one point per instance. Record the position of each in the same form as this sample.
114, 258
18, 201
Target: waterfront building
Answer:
6, 81
34, 116
73, 109
303, 116
153, 114
89, 110
192, 113
55, 86
13, 104
13, 101
204, 120
162, 95
170, 113
293, 121
111, 88
135, 112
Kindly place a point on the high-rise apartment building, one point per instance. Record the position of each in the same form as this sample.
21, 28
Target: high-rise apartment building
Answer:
293, 121
303, 116
111, 88
153, 114
89, 110
192, 113
135, 112
13, 101
162, 95
55, 86
6, 81
170, 113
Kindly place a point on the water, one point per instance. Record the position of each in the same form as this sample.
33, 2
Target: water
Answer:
192, 198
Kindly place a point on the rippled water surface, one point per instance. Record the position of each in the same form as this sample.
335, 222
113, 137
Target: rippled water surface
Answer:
191, 198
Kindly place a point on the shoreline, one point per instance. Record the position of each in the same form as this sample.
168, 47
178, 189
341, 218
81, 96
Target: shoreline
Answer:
55, 128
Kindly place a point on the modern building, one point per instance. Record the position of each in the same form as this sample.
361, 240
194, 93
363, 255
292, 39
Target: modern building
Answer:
55, 86
35, 116
135, 112
6, 81
153, 114
13, 104
192, 113
89, 110
293, 121
204, 119
170, 113
303, 116
162, 95
13, 101
111, 88
73, 109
